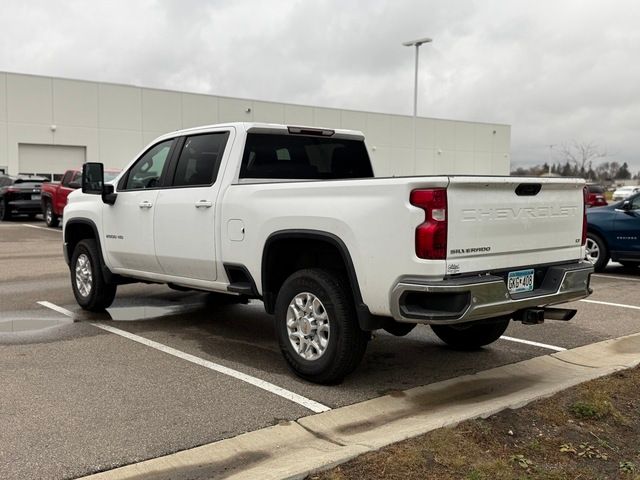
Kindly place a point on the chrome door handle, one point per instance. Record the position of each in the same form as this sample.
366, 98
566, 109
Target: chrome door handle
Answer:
145, 204
204, 204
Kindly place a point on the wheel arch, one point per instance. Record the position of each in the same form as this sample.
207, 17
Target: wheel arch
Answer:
308, 249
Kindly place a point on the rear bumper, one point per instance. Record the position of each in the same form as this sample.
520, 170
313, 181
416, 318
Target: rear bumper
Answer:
25, 206
467, 299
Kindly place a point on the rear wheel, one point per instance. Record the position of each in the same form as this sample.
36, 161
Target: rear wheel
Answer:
317, 327
597, 252
5, 212
472, 336
89, 287
50, 218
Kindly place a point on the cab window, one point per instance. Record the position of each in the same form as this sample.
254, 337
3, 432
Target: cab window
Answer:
66, 179
146, 172
200, 159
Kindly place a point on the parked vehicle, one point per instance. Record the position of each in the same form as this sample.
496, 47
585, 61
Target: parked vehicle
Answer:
54, 195
595, 195
294, 216
20, 195
624, 192
613, 232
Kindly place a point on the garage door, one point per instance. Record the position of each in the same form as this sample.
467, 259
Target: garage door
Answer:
50, 160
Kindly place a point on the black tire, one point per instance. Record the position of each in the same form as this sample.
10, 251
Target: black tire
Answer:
471, 336
399, 329
51, 219
597, 251
5, 212
86, 270
345, 342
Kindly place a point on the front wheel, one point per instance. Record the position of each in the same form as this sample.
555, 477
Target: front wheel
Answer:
92, 292
471, 336
51, 219
317, 327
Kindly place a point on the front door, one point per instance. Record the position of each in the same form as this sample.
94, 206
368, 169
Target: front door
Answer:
185, 212
627, 229
128, 224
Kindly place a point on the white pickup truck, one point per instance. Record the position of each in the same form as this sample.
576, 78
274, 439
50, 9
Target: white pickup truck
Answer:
293, 216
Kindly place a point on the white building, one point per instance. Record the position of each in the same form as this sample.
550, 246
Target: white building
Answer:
49, 124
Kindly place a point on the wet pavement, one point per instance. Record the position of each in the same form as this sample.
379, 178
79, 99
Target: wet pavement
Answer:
77, 399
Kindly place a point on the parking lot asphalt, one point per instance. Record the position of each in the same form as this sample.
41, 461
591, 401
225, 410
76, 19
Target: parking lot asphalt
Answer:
76, 399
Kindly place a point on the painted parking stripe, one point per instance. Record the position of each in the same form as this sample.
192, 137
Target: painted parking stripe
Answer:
615, 277
256, 382
58, 309
269, 387
633, 307
535, 344
46, 229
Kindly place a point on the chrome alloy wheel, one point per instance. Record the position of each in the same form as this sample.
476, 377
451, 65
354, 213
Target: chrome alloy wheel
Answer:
308, 326
592, 251
48, 214
84, 276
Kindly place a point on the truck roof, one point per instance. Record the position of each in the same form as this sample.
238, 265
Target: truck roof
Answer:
260, 127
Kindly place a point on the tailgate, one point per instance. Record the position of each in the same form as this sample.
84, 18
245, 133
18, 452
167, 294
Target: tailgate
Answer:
505, 222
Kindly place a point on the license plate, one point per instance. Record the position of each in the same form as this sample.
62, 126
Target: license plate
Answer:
520, 281
35, 197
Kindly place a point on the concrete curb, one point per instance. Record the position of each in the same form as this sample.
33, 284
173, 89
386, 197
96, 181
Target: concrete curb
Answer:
294, 450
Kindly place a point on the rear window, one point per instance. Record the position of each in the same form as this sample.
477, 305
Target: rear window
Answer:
304, 157
595, 189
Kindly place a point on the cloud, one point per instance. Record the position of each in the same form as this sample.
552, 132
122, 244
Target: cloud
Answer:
555, 71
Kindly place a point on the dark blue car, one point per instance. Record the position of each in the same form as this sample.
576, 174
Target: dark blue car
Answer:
613, 232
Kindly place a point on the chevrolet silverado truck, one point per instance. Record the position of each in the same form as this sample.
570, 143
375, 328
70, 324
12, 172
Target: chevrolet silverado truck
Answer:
294, 217
54, 194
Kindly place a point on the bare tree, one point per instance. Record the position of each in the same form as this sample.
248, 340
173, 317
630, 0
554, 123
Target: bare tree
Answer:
581, 155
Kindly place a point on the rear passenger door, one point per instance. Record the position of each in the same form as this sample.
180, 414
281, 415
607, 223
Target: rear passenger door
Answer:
184, 226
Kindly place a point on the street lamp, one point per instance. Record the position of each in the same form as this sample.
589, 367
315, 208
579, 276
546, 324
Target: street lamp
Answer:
416, 43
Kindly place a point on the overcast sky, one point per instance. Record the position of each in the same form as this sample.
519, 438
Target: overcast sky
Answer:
556, 71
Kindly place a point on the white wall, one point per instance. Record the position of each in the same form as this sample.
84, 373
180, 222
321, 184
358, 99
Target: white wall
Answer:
114, 122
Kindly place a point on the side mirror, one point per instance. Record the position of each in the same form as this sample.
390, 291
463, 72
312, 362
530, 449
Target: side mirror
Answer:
93, 182
93, 178
74, 185
626, 205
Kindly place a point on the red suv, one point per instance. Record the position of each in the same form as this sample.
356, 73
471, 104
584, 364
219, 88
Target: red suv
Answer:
595, 196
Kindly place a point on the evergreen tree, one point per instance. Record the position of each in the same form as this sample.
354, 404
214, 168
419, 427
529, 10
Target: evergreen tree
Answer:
623, 172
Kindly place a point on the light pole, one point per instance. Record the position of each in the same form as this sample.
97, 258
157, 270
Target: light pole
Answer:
415, 43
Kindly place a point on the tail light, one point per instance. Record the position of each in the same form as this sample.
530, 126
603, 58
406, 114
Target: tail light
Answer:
431, 235
585, 194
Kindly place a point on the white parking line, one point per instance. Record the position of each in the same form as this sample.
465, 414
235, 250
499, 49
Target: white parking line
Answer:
58, 309
615, 277
256, 382
633, 307
535, 344
46, 229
